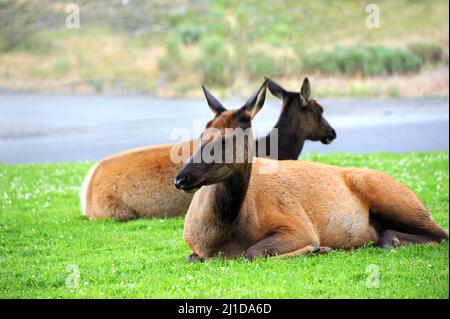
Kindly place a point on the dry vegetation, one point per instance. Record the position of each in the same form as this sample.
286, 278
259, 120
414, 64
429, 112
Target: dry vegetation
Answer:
168, 48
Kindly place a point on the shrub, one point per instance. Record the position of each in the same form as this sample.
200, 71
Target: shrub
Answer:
430, 53
17, 25
170, 62
321, 61
259, 64
363, 60
190, 34
215, 62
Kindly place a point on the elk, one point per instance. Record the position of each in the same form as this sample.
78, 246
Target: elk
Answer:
304, 207
138, 183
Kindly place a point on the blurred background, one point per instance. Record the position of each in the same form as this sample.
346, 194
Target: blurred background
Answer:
132, 71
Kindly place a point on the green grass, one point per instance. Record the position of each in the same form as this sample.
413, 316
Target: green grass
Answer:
42, 233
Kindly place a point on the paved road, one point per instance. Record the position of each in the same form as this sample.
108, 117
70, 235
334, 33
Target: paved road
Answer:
48, 128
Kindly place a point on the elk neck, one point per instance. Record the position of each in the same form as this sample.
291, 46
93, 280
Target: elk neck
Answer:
229, 195
290, 135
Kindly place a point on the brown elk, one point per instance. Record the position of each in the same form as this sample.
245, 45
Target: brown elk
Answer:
304, 207
138, 183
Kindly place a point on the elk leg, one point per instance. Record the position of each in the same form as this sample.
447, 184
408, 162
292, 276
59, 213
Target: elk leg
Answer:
391, 239
115, 208
317, 250
322, 250
280, 244
394, 204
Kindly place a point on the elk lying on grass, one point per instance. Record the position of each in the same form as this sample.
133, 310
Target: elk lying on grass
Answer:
138, 183
304, 207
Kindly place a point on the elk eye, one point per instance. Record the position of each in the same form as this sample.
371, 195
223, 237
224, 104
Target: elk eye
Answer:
320, 108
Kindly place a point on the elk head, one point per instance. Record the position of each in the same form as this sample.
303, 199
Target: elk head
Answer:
305, 114
226, 145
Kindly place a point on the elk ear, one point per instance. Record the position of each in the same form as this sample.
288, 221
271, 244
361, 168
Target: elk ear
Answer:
276, 90
305, 92
255, 103
213, 103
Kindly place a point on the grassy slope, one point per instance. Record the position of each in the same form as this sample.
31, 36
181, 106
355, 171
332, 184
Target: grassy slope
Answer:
42, 232
284, 29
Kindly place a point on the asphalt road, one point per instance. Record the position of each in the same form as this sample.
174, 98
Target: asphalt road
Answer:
48, 128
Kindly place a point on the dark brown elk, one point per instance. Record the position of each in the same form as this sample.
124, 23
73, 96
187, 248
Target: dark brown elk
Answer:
309, 122
138, 183
302, 207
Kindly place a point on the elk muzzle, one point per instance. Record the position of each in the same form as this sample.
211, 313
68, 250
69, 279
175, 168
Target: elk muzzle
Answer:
330, 138
186, 183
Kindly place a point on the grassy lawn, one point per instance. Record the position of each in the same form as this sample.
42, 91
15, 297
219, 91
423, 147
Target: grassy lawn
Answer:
43, 238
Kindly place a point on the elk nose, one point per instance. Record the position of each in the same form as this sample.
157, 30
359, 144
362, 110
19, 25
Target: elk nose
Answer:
333, 134
181, 181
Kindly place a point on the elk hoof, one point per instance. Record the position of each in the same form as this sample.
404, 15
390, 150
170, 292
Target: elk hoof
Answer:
249, 256
395, 242
390, 244
192, 258
321, 250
